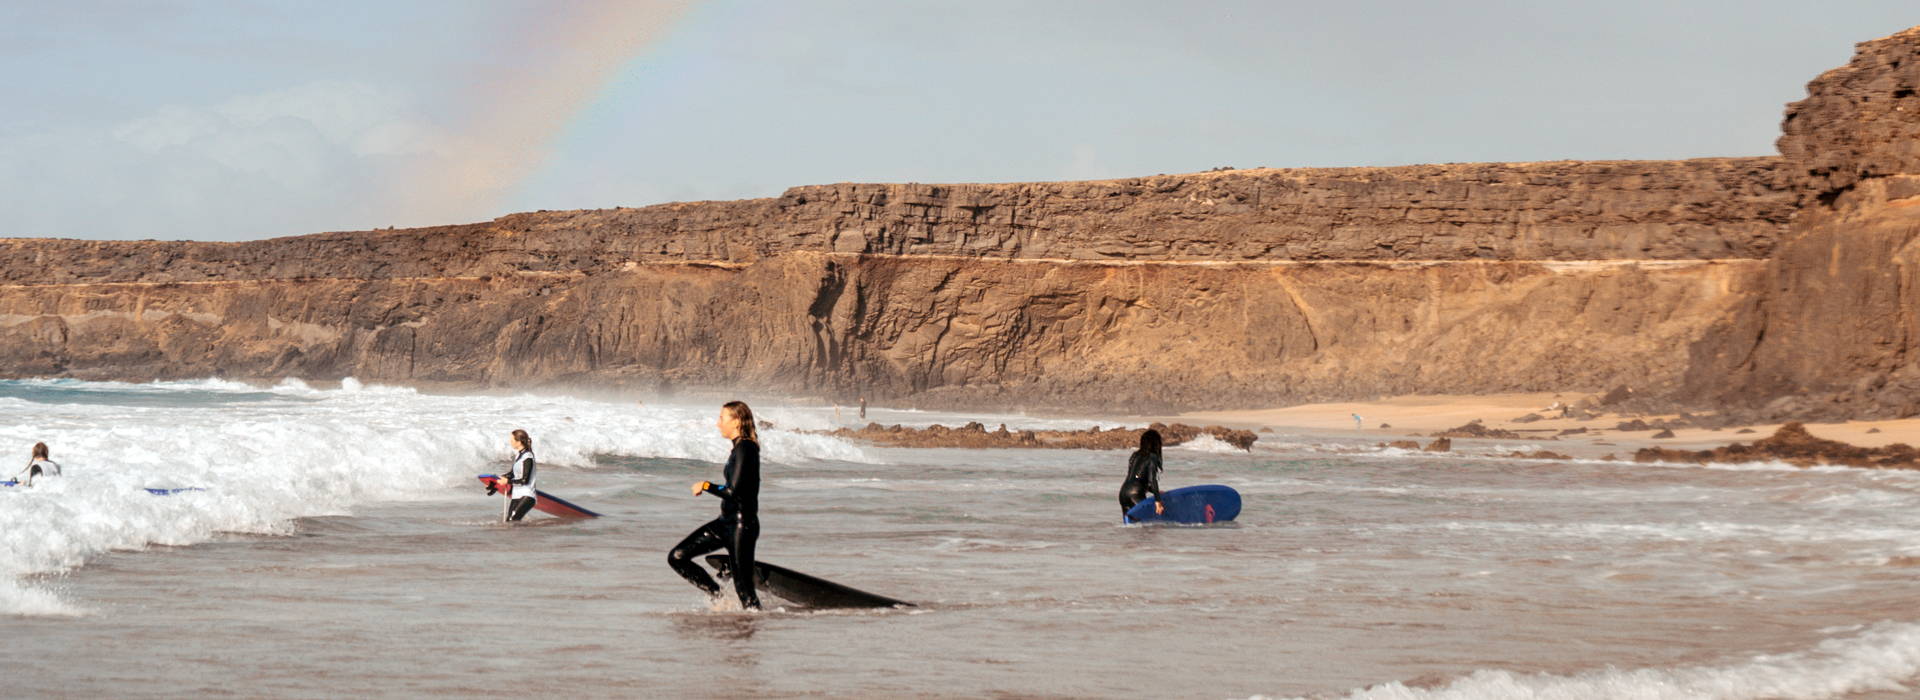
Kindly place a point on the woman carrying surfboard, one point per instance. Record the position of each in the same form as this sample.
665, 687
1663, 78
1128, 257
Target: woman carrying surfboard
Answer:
1143, 475
519, 476
738, 526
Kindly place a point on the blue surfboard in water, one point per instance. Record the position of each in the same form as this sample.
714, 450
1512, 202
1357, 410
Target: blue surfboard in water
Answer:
156, 492
1191, 505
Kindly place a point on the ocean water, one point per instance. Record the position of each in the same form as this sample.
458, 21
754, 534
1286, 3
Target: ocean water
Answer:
342, 547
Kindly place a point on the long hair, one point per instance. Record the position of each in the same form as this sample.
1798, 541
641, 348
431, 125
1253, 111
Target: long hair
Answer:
526, 441
1150, 442
39, 450
740, 412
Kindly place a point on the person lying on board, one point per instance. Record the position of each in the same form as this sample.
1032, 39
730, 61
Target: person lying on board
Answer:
738, 527
1143, 476
519, 477
37, 466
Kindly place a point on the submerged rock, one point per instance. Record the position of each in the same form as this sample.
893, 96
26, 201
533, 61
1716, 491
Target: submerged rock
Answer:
1794, 445
974, 435
1476, 429
1536, 454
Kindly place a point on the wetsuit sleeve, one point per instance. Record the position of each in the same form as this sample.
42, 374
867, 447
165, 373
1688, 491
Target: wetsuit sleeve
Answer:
1153, 467
729, 472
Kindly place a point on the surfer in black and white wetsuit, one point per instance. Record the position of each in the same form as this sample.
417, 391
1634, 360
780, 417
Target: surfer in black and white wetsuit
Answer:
519, 478
38, 466
738, 527
1143, 475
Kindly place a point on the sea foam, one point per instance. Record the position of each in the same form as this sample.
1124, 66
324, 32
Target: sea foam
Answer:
268, 456
1882, 657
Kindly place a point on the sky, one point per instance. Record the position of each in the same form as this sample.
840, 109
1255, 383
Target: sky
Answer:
215, 120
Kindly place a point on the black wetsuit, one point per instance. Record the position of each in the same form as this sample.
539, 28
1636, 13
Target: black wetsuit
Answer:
736, 530
1143, 477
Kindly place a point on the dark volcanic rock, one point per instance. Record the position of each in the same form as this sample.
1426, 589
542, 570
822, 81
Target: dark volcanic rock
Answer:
975, 435
1536, 454
1439, 445
1794, 445
1663, 434
1476, 429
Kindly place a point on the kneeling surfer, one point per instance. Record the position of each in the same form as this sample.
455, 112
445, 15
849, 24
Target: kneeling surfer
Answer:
519, 477
738, 526
1143, 476
38, 466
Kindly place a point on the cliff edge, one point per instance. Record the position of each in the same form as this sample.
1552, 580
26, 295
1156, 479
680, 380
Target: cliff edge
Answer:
1779, 284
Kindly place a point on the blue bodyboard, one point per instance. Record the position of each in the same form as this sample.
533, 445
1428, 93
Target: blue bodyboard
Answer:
169, 492
1191, 505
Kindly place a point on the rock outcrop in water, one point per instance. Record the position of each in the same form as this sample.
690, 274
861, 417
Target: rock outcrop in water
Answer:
976, 436
1781, 284
1794, 445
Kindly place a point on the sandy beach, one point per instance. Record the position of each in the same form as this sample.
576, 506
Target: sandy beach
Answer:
1421, 416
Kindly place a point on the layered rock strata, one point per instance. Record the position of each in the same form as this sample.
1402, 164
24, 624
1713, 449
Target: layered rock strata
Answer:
1783, 284
1833, 328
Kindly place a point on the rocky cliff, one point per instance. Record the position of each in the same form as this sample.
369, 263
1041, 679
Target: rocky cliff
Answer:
1714, 280
1835, 325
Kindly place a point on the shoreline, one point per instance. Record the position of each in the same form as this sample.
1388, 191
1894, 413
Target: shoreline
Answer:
1418, 417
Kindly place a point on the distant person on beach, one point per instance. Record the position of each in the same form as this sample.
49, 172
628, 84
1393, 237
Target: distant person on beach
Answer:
863, 408
38, 466
1143, 475
520, 494
1358, 422
738, 527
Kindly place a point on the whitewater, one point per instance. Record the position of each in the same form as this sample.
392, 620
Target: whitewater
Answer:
341, 546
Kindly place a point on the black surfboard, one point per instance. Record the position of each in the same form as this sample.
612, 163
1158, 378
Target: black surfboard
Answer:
811, 591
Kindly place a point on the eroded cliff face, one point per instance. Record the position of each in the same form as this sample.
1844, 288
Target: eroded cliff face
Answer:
1833, 331
1749, 280
930, 331
1670, 210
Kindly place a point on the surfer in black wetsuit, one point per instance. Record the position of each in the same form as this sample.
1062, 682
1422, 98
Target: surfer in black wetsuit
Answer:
519, 477
738, 526
1143, 475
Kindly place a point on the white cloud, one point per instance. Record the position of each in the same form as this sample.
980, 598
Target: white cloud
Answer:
321, 156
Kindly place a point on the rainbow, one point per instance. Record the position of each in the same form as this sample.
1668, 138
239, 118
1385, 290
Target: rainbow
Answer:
563, 55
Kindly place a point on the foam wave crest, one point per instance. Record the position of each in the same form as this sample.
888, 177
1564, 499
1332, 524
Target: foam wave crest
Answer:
1884, 657
267, 456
